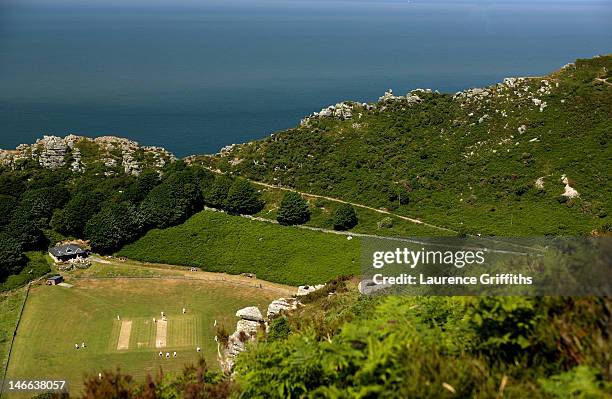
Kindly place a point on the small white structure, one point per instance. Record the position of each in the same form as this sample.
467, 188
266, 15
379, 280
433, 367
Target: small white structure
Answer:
167, 354
100, 376
199, 349
76, 346
174, 354
118, 318
184, 310
83, 345
161, 354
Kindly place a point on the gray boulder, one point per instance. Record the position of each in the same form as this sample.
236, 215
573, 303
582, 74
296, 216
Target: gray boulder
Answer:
250, 313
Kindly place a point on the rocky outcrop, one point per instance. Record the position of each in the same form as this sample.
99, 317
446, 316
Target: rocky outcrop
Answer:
280, 305
569, 191
252, 313
342, 111
115, 153
250, 323
411, 98
307, 289
51, 151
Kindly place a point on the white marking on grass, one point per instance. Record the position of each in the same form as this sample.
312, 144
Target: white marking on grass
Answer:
124, 335
162, 332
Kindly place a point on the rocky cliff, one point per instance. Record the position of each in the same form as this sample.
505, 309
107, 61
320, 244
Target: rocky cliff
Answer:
106, 154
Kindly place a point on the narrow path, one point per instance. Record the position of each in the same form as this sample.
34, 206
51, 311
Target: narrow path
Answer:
390, 238
605, 81
319, 229
381, 211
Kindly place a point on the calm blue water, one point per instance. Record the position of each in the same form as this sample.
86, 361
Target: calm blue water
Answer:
198, 76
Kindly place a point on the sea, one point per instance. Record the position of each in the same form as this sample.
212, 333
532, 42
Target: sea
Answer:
196, 75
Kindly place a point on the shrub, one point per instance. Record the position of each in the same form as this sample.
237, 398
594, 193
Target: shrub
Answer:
193, 382
345, 217
385, 223
222, 334
279, 329
293, 210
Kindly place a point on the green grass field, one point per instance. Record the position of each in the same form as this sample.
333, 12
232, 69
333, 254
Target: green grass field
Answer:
57, 318
10, 307
220, 243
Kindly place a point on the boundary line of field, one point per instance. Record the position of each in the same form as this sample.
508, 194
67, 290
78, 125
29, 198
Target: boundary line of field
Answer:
229, 281
10, 351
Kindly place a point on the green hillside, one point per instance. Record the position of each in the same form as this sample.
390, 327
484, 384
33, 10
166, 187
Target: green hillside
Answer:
488, 161
217, 242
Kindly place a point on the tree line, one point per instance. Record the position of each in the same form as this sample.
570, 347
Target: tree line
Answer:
39, 207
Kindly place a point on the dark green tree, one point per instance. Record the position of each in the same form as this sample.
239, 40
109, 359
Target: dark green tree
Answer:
12, 259
138, 190
398, 194
243, 199
215, 193
173, 201
71, 219
112, 227
7, 208
39, 204
345, 217
25, 230
293, 210
11, 183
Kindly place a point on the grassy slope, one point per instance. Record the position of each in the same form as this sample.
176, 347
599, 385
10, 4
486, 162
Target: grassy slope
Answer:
221, 243
10, 307
38, 265
460, 171
323, 210
56, 318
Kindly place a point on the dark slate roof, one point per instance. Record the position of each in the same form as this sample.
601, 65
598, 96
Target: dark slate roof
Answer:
67, 249
55, 278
